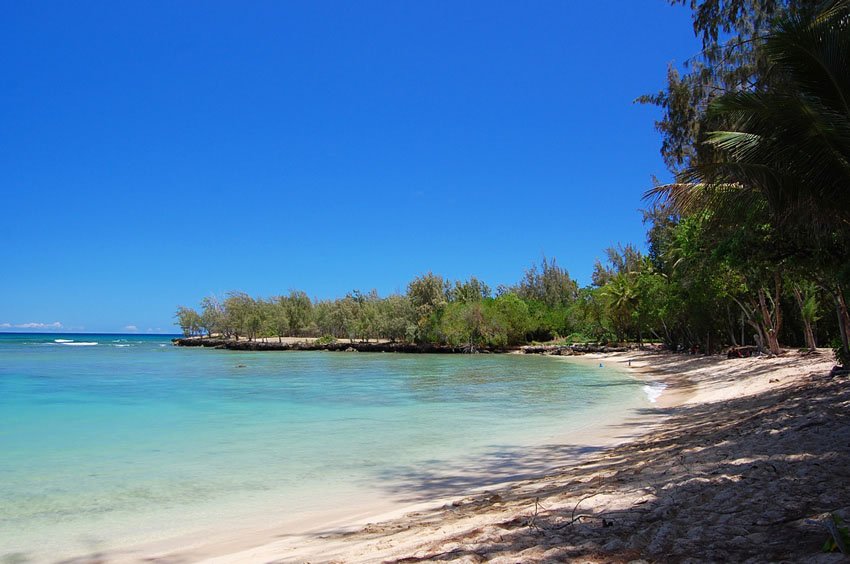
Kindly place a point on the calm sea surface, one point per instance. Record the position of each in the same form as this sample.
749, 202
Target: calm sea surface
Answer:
110, 440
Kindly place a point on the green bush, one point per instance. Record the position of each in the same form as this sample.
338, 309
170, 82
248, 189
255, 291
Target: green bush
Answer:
577, 338
326, 340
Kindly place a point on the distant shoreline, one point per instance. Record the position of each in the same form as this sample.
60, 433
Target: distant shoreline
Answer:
381, 346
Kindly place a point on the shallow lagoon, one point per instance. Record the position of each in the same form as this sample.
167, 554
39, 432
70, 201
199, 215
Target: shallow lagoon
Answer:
131, 440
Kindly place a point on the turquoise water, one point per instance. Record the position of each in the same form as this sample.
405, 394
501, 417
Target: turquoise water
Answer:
131, 440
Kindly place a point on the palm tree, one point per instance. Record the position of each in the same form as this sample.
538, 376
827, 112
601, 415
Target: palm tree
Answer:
786, 149
622, 297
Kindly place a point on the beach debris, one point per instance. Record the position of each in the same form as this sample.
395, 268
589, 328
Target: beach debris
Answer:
536, 510
742, 352
839, 538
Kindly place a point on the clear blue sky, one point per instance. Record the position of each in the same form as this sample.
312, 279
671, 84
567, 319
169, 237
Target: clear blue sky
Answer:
155, 152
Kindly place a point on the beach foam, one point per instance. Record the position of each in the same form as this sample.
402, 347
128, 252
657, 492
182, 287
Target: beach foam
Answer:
654, 390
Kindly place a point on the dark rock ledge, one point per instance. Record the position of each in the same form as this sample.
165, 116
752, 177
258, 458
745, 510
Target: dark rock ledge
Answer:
338, 346
356, 346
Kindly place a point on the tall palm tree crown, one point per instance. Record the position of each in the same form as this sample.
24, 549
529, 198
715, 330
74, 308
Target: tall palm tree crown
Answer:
786, 148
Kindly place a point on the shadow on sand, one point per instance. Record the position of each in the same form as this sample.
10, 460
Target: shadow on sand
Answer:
733, 481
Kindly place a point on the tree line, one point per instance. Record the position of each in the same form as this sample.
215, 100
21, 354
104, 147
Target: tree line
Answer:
749, 245
757, 134
432, 310
685, 293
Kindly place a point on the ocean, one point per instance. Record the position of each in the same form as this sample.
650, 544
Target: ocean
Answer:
111, 442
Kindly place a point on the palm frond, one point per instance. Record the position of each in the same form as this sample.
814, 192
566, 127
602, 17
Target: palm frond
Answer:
788, 147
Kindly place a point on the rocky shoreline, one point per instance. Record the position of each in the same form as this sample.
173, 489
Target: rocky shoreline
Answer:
337, 346
357, 346
571, 350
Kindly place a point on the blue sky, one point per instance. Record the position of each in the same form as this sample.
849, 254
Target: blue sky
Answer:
155, 152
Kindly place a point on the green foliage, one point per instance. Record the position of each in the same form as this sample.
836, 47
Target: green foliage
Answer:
278, 317
238, 311
465, 324
212, 315
548, 284
188, 320
573, 338
498, 322
428, 295
472, 290
326, 340
841, 356
772, 173
299, 311
621, 260
511, 315
546, 323
731, 60
699, 288
397, 318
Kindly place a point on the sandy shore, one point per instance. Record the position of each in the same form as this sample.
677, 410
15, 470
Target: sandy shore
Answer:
749, 451
730, 464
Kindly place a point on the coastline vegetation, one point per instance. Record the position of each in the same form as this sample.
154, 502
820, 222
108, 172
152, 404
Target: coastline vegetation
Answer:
749, 245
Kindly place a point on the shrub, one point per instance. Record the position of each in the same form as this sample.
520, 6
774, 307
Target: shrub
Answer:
326, 340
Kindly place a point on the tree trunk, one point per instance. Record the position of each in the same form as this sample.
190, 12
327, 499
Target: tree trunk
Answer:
730, 326
761, 323
758, 336
843, 322
668, 337
808, 331
772, 320
759, 342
